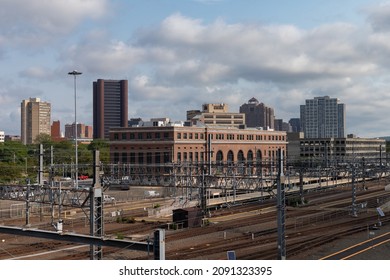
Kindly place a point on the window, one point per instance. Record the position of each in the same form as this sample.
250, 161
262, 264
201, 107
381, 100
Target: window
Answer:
124, 136
132, 158
157, 135
157, 157
140, 135
116, 157
124, 157
178, 135
149, 158
166, 157
140, 158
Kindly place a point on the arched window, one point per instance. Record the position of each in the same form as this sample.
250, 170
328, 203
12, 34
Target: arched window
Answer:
241, 162
240, 156
219, 159
249, 161
259, 156
259, 163
249, 157
230, 157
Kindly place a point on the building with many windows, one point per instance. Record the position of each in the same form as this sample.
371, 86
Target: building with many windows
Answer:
323, 117
83, 131
335, 149
258, 115
295, 124
110, 108
193, 144
35, 119
216, 115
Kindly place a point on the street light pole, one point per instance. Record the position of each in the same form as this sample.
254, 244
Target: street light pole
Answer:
75, 73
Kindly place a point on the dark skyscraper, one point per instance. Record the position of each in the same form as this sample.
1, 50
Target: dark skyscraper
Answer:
257, 114
110, 108
295, 124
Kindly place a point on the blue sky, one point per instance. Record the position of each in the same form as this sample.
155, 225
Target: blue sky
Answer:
179, 54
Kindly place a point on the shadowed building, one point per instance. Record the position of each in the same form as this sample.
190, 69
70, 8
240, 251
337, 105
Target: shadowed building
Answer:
110, 108
258, 115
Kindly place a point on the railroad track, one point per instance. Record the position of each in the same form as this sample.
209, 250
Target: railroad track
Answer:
250, 230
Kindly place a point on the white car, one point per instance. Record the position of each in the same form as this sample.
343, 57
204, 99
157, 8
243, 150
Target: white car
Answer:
108, 199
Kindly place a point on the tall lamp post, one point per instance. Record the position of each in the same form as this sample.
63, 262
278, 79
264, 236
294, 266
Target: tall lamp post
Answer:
75, 73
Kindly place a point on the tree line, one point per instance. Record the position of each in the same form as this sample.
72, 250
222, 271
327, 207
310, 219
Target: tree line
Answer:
19, 162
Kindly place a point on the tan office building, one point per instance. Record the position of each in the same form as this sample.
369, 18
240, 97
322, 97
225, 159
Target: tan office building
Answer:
216, 115
35, 119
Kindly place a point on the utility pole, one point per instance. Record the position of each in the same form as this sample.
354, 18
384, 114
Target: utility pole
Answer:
281, 208
96, 208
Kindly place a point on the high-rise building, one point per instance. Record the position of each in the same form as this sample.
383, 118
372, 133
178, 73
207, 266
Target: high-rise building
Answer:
258, 115
88, 132
70, 129
110, 108
280, 125
323, 117
56, 131
295, 124
35, 119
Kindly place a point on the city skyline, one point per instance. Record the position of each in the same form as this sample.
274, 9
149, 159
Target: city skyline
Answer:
186, 53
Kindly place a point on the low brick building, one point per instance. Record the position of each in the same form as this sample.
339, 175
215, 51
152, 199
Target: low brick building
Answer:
193, 144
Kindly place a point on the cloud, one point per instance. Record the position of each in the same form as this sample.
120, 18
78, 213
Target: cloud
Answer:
378, 17
36, 72
36, 22
182, 62
186, 51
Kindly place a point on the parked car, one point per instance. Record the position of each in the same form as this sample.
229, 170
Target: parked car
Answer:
83, 177
108, 199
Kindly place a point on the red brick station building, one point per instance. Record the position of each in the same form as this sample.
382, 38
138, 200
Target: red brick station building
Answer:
193, 144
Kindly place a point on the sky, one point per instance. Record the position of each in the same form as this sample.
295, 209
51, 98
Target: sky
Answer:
180, 54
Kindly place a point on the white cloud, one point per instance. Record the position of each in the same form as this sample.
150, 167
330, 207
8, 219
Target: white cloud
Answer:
379, 17
36, 72
36, 22
183, 62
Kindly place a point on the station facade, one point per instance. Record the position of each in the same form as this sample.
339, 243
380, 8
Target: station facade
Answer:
194, 144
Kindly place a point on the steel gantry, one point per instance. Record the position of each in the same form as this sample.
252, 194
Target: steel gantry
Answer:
198, 181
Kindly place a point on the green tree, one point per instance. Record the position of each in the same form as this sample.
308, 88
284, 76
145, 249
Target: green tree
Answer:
10, 172
43, 138
104, 148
